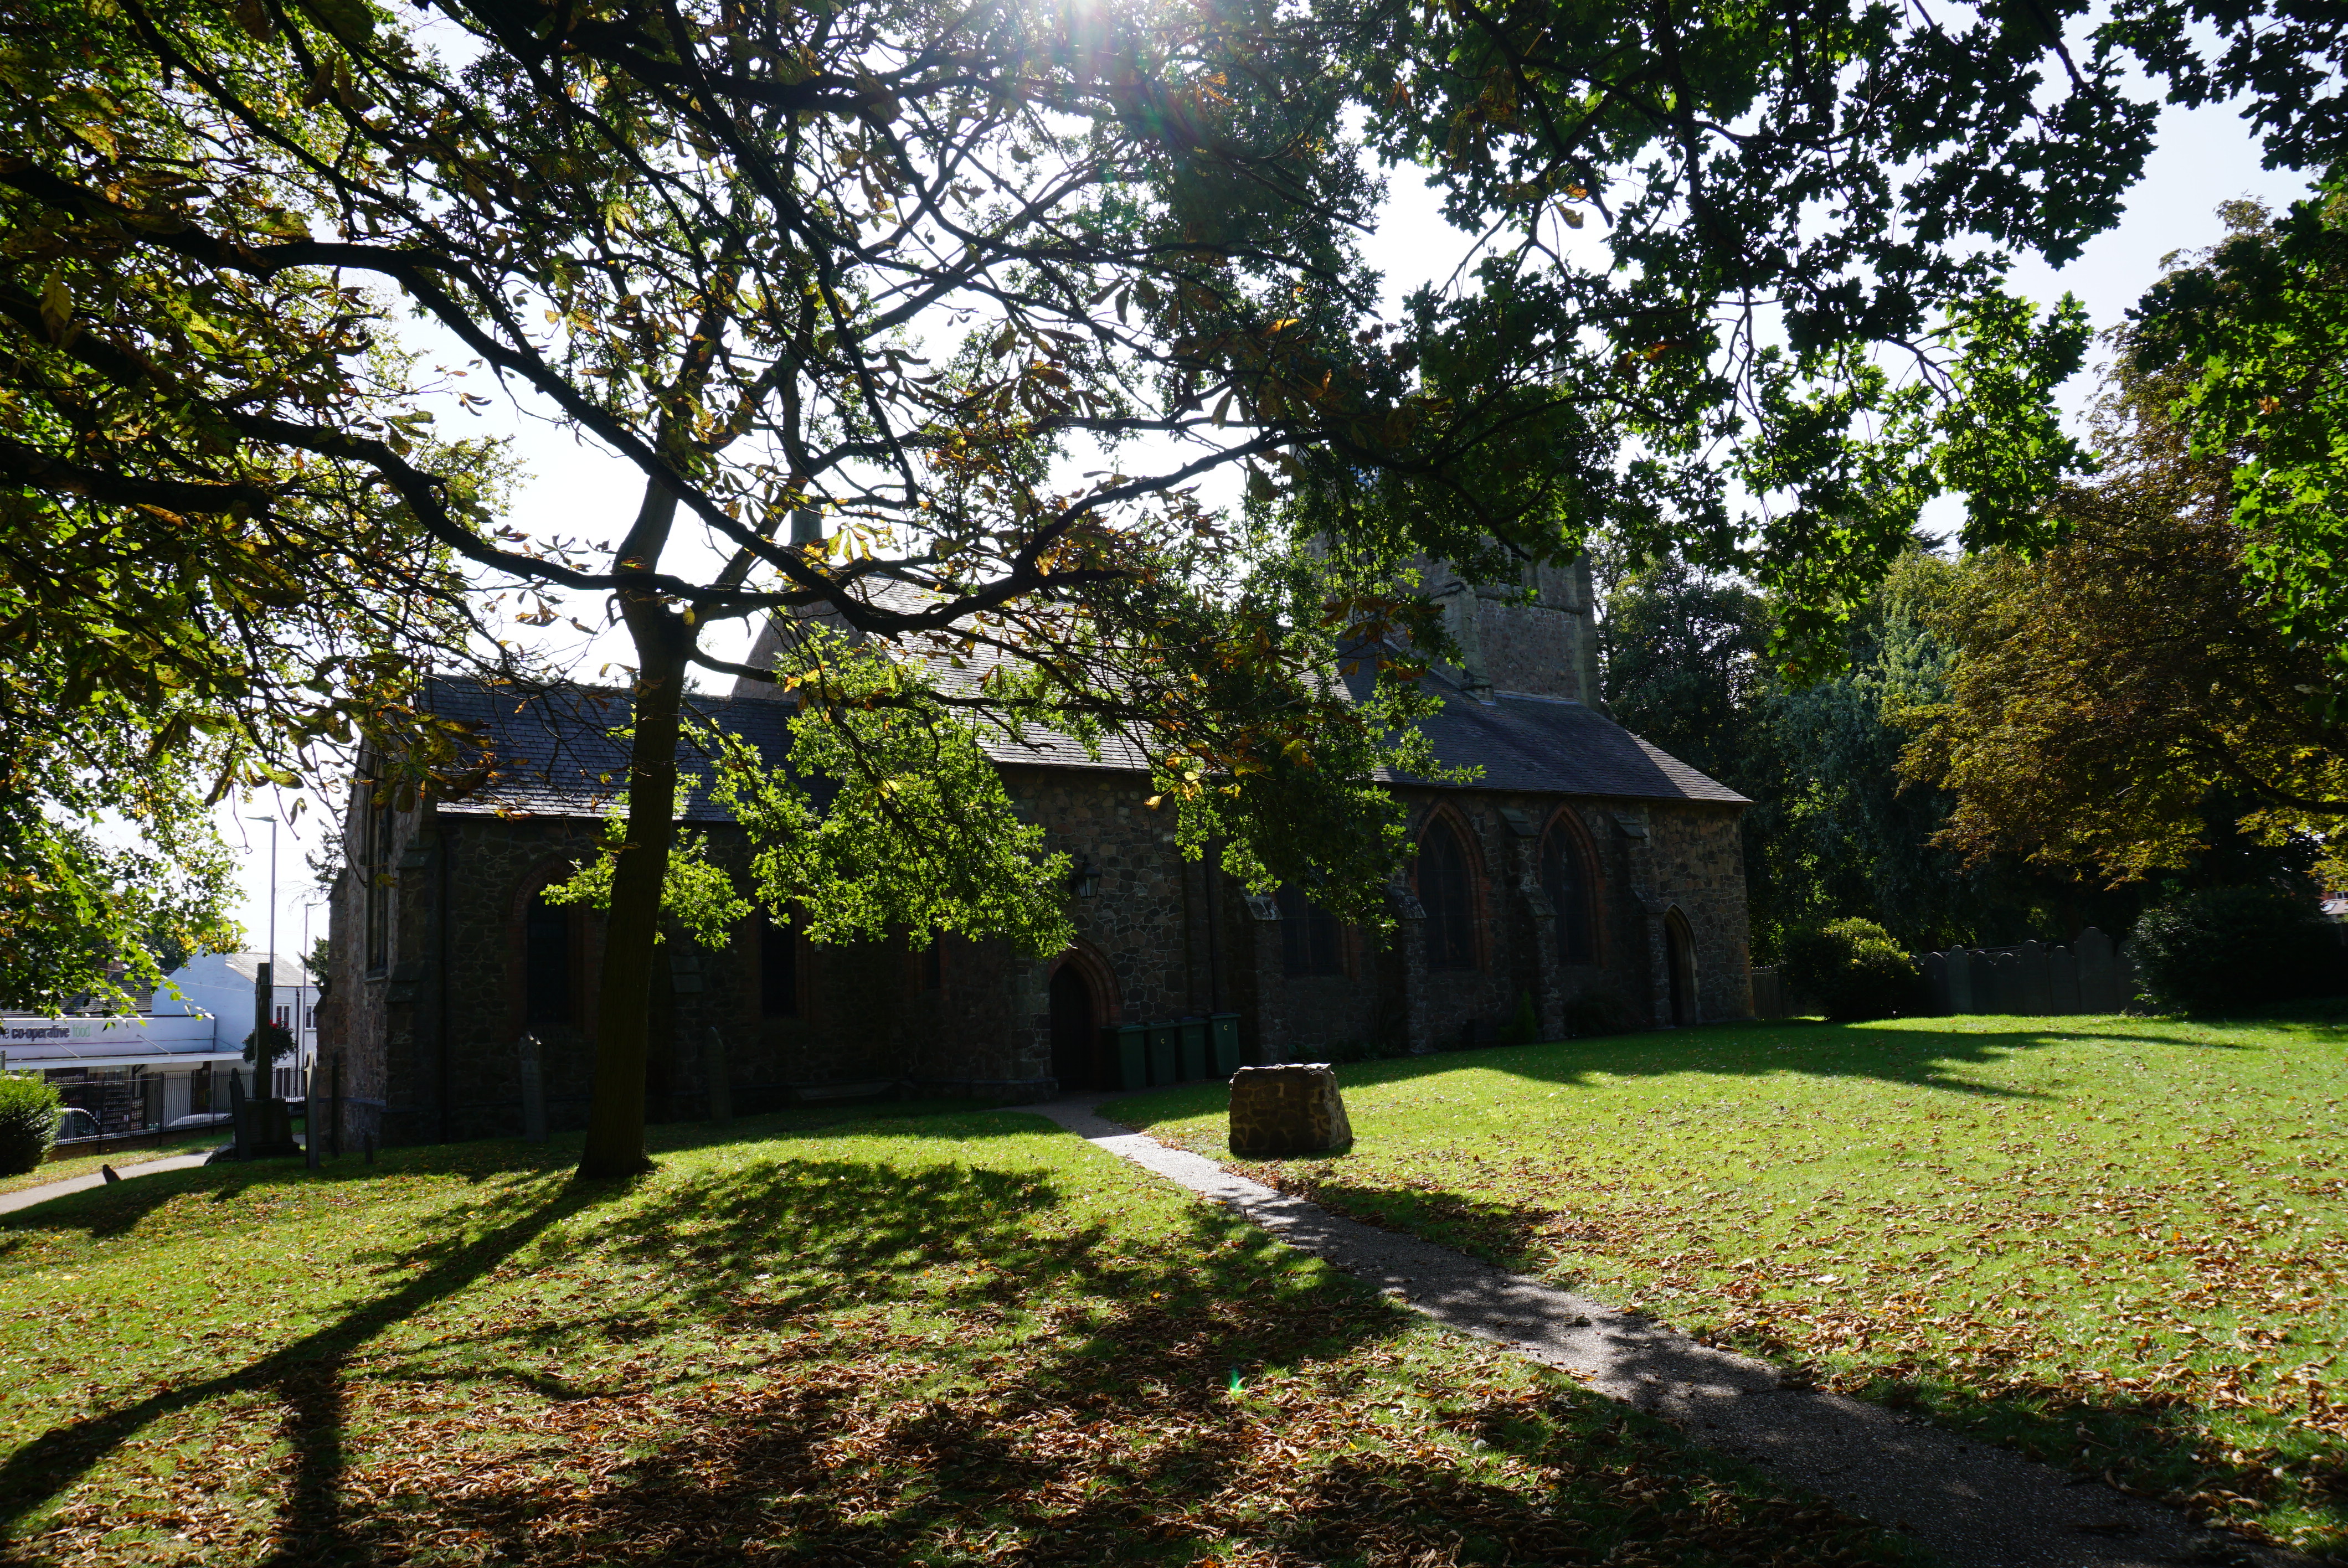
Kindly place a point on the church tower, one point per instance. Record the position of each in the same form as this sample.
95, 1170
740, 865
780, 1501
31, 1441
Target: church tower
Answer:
1544, 647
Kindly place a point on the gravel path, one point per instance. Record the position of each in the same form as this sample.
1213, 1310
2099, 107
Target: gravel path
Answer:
1975, 1505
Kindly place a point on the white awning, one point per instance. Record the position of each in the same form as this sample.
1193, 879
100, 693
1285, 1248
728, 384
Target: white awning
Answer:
23, 1061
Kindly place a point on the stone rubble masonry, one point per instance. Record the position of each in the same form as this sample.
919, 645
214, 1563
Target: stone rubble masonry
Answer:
1281, 1111
432, 1038
1544, 647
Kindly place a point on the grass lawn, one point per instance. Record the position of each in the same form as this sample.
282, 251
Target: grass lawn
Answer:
938, 1338
2116, 1243
122, 1160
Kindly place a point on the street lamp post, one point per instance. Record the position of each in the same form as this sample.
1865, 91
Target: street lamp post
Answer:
273, 1130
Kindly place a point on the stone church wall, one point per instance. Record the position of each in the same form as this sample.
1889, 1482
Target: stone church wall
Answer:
431, 1040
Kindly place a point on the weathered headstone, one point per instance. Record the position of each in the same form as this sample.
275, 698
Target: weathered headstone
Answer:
1961, 996
2099, 989
239, 1122
2005, 983
2037, 997
533, 1092
2063, 980
721, 1080
1936, 983
1292, 1110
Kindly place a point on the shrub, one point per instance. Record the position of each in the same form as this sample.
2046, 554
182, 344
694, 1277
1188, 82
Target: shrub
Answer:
1851, 969
28, 1122
2236, 946
1596, 1012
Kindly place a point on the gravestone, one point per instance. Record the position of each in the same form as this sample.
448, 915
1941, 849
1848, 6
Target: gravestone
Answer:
2005, 983
2037, 989
721, 1080
1936, 983
2099, 989
1961, 996
240, 1123
2063, 980
1292, 1110
533, 1090
2127, 982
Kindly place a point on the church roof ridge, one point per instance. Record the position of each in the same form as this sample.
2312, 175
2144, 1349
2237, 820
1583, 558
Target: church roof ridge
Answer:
556, 757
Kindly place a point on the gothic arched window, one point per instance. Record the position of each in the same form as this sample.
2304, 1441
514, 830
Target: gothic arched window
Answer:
1311, 941
1450, 896
1565, 876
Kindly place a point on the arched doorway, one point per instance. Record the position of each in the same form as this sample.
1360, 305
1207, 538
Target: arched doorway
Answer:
1075, 1036
1679, 955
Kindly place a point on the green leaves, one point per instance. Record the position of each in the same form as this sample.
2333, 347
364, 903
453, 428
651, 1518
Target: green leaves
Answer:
695, 897
2253, 343
889, 817
2001, 443
2129, 700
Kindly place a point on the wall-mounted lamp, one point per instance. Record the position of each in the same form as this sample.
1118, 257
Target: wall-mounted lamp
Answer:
1084, 881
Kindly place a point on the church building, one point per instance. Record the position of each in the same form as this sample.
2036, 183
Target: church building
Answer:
1584, 869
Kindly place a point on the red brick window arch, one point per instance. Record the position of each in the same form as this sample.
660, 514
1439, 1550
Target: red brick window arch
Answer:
1446, 888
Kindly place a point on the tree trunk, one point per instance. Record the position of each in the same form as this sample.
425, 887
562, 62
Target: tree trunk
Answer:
616, 1120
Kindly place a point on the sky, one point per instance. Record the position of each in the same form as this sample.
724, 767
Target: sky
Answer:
2202, 158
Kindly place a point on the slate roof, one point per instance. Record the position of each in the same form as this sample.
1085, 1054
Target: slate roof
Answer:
1548, 746
553, 755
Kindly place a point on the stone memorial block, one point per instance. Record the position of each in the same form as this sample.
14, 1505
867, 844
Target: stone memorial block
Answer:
1292, 1110
2037, 988
2099, 986
2063, 980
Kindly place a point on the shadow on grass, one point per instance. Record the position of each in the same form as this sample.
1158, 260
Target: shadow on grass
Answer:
2153, 1443
115, 1210
1071, 1404
306, 1376
1074, 1398
2156, 1442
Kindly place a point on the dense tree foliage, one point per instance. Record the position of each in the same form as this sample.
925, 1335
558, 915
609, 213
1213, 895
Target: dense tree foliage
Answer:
110, 866
992, 289
1831, 832
2249, 348
2124, 699
1835, 830
2214, 948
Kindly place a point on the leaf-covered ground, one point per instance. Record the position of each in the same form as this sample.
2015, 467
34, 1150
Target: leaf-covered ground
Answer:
2117, 1244
965, 1338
